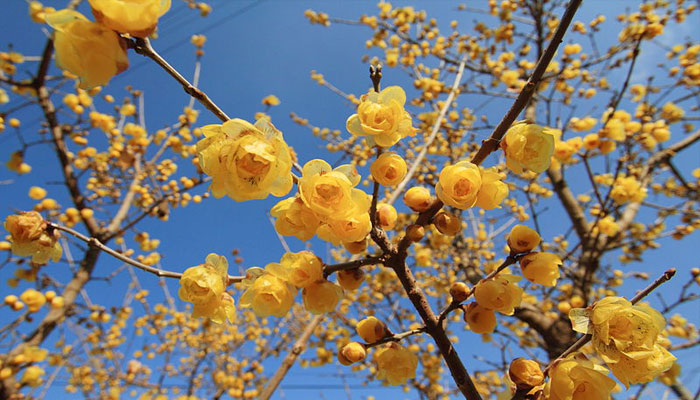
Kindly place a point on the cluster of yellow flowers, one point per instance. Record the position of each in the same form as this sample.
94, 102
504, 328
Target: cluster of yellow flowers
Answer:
627, 337
271, 291
96, 51
327, 204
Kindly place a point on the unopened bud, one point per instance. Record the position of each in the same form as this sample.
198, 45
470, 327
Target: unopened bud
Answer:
447, 224
525, 373
372, 329
459, 291
522, 239
386, 216
351, 353
415, 233
417, 198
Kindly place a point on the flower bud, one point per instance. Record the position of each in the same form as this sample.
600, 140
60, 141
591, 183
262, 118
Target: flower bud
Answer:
522, 239
351, 353
447, 223
459, 291
417, 198
415, 233
386, 216
372, 329
525, 373
351, 279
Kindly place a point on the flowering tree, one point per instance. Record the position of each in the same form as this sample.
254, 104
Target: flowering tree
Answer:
516, 231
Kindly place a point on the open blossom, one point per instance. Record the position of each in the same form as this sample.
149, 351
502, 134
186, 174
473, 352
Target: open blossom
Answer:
304, 268
528, 147
331, 193
388, 169
135, 17
459, 185
89, 50
625, 336
500, 293
479, 319
492, 191
321, 296
245, 161
205, 287
29, 237
541, 268
294, 218
270, 292
395, 363
577, 378
381, 117
352, 228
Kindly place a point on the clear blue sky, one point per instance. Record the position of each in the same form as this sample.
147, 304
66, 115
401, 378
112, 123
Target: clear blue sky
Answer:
255, 49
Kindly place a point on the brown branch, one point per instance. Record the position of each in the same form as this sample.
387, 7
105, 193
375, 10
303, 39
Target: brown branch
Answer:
95, 243
491, 144
666, 276
396, 337
329, 269
143, 47
288, 362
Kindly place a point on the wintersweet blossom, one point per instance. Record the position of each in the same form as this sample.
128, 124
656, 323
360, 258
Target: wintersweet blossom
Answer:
528, 147
577, 378
205, 287
268, 291
541, 268
500, 293
388, 169
29, 237
321, 296
522, 239
136, 17
395, 363
89, 50
245, 161
381, 117
459, 185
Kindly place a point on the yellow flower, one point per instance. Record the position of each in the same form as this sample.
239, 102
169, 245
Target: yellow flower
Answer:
270, 293
671, 112
381, 117
351, 353
541, 268
525, 373
34, 299
16, 163
352, 228
245, 161
576, 378
331, 193
37, 193
388, 169
304, 268
32, 376
479, 319
321, 297
499, 293
459, 185
396, 364
418, 198
29, 238
627, 188
492, 191
135, 17
372, 329
204, 286
608, 226
635, 369
294, 218
528, 147
87, 49
522, 239
386, 216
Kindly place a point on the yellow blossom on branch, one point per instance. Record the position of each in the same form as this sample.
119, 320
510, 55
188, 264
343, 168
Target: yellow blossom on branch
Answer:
459, 185
87, 49
204, 286
500, 293
395, 363
136, 17
388, 169
575, 377
245, 161
528, 147
541, 268
381, 117
29, 237
321, 296
269, 291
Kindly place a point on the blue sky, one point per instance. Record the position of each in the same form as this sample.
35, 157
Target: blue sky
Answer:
257, 48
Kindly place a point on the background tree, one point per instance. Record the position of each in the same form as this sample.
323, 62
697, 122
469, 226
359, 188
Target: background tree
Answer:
621, 183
